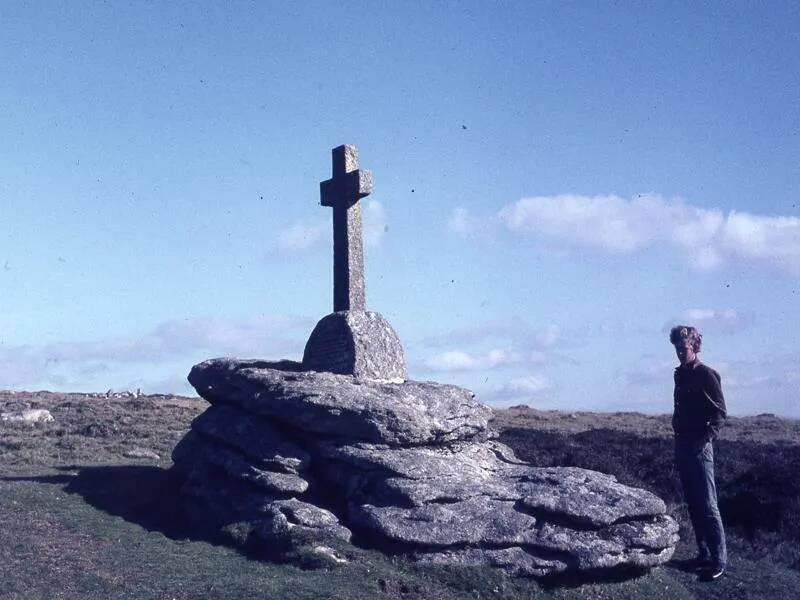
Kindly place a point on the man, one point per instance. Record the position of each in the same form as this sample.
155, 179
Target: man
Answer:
699, 414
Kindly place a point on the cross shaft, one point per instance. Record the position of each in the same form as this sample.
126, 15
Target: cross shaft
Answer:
342, 192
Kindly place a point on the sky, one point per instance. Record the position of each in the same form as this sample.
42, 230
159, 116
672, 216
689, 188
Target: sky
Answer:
555, 185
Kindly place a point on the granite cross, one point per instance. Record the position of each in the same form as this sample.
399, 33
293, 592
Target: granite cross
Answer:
342, 192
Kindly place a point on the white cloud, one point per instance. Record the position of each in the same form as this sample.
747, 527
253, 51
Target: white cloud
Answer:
725, 320
300, 239
760, 373
607, 222
463, 224
19, 369
510, 332
245, 336
772, 239
705, 238
452, 360
187, 340
491, 345
547, 336
738, 382
522, 389
176, 383
755, 384
649, 371
458, 360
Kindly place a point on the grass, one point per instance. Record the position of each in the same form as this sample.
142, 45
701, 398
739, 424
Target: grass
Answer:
78, 520
56, 544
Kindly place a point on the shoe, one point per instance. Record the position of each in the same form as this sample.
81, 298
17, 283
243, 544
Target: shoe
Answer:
711, 573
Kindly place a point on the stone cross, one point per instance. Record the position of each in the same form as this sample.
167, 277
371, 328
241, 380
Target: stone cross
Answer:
342, 192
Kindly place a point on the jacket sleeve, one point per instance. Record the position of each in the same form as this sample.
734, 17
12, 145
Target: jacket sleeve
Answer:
716, 410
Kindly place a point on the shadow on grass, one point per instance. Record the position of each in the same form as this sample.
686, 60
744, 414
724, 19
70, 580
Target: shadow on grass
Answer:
603, 576
144, 495
148, 496
687, 565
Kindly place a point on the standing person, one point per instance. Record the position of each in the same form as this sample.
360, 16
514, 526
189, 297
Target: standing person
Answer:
699, 414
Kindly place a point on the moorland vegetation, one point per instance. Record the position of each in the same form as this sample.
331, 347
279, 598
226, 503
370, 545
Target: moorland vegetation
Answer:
87, 511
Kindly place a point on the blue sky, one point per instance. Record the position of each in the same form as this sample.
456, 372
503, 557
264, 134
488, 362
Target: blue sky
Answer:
555, 185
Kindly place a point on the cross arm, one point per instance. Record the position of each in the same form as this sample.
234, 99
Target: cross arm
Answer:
348, 188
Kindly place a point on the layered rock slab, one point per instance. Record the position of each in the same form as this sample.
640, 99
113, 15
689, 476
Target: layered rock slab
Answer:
341, 406
472, 503
250, 489
411, 467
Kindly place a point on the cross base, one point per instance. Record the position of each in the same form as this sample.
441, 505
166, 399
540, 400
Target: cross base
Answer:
358, 343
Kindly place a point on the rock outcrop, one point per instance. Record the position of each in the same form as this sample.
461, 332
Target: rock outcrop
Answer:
286, 456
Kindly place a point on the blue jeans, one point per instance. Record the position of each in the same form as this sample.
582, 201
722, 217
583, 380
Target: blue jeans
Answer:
695, 464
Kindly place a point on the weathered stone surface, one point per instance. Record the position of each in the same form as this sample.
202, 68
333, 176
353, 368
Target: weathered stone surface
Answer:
218, 501
339, 406
258, 439
246, 515
559, 550
293, 517
477, 521
645, 543
196, 455
465, 460
358, 343
224, 496
485, 524
456, 474
514, 560
468, 501
308, 515
415, 476
411, 467
586, 497
419, 475
242, 477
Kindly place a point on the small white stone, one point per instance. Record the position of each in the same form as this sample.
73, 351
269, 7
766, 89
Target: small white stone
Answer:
394, 380
329, 553
30, 416
140, 453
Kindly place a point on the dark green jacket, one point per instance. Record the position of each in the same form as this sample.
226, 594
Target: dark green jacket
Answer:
699, 403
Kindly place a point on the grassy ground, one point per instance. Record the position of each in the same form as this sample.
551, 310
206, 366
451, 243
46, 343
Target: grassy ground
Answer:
79, 520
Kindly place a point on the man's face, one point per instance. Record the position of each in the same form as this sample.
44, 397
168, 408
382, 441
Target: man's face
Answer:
685, 352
